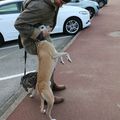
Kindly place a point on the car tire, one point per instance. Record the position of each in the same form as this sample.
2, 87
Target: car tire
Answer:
1, 40
101, 3
72, 26
91, 11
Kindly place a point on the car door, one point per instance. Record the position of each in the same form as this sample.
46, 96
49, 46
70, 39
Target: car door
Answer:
8, 14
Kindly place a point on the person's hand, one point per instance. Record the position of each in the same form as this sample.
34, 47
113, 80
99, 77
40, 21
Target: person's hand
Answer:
46, 30
49, 28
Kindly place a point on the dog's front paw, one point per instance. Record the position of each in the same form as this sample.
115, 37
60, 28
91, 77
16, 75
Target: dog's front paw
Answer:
68, 58
53, 119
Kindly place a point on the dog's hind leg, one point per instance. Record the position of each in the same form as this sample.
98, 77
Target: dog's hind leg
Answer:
32, 93
49, 97
42, 105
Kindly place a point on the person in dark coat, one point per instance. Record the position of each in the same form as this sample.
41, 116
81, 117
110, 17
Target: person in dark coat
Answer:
34, 14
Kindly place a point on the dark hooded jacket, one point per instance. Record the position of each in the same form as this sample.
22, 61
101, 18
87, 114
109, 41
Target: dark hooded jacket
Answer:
35, 13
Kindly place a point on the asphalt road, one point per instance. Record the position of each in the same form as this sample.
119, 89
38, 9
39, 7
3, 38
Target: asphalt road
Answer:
12, 67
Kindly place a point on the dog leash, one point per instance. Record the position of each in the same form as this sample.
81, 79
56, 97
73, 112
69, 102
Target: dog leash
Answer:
25, 59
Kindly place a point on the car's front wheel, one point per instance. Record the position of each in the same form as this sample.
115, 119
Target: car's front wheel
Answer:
72, 26
1, 40
91, 11
101, 3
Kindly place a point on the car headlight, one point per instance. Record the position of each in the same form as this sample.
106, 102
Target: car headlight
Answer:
96, 4
83, 12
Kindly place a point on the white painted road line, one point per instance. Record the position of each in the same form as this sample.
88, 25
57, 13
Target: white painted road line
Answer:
9, 47
17, 45
1, 57
14, 76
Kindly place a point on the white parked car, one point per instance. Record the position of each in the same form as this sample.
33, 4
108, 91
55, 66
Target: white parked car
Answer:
69, 20
91, 6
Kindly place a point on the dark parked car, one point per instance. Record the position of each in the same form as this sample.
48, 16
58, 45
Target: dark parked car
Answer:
101, 3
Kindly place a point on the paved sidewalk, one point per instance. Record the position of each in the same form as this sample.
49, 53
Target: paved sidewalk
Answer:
92, 79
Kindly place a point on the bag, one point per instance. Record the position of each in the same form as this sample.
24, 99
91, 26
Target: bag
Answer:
29, 80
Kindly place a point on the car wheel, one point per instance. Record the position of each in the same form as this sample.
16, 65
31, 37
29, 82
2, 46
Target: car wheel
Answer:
91, 11
1, 40
72, 26
101, 3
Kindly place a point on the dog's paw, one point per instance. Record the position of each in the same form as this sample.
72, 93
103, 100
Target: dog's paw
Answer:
68, 58
53, 119
31, 96
43, 111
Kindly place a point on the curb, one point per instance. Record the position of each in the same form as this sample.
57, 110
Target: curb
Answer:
73, 39
17, 99
21, 94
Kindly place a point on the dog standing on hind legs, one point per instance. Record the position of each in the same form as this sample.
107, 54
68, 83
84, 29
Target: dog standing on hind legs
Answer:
48, 58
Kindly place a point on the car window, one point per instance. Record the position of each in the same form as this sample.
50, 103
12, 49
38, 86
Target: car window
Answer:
19, 5
74, 1
9, 8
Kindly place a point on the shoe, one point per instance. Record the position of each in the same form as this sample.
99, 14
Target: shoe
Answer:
58, 87
58, 100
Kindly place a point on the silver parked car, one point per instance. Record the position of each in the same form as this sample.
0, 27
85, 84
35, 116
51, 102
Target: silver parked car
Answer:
91, 6
101, 3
